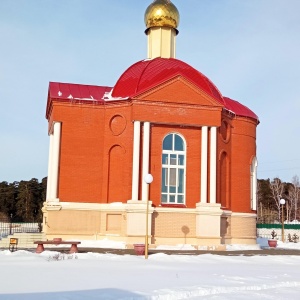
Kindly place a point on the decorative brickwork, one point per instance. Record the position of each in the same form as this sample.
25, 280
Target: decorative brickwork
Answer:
73, 222
164, 225
243, 229
113, 223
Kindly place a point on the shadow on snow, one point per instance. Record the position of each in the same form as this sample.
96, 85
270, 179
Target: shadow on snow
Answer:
105, 294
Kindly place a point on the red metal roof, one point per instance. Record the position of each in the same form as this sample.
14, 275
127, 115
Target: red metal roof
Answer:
142, 76
149, 73
239, 109
58, 90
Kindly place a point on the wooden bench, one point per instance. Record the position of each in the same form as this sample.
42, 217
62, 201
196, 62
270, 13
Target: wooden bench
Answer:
40, 245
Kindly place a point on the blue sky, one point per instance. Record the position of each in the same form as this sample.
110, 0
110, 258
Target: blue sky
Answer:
249, 49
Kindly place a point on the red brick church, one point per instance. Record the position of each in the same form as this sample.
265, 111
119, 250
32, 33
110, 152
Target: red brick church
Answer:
162, 117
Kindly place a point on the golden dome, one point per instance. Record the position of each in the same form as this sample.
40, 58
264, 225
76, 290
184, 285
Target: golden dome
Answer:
162, 13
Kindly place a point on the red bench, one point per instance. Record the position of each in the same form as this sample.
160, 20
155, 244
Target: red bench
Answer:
40, 245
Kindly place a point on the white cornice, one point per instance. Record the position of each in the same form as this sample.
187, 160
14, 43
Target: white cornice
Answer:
244, 215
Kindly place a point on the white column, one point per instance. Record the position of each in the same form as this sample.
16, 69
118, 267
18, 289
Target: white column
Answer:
161, 42
136, 160
254, 184
254, 191
55, 161
49, 166
146, 151
213, 164
203, 198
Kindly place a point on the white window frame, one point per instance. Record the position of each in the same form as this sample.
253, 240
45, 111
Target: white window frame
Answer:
167, 166
253, 184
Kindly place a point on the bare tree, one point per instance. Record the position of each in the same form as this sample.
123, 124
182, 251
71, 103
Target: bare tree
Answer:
294, 194
277, 189
260, 214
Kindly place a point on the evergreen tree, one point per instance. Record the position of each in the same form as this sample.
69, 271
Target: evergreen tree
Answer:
265, 207
28, 200
8, 196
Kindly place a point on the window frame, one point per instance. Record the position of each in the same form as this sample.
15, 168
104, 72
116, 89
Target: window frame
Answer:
174, 194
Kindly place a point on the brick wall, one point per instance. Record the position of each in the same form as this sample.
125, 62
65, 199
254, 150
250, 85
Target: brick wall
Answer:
173, 225
97, 142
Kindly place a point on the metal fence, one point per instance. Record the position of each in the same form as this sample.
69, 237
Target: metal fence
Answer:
8, 228
272, 226
289, 230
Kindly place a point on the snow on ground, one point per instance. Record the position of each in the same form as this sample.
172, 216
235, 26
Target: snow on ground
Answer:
51, 275
104, 243
107, 243
175, 247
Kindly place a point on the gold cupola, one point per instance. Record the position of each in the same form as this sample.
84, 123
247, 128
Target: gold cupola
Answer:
162, 13
161, 20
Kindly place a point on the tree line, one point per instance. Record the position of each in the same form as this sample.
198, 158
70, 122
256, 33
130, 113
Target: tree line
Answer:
22, 201
269, 194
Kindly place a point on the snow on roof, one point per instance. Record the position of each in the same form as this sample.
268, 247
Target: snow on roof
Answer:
239, 109
76, 92
140, 77
59, 90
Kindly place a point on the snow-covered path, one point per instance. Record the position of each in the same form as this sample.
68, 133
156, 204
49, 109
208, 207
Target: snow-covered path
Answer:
26, 275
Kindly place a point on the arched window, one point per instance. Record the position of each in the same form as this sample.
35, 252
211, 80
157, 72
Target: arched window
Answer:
224, 180
173, 170
253, 183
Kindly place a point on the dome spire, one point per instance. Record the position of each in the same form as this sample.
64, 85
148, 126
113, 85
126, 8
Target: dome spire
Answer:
162, 13
161, 20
